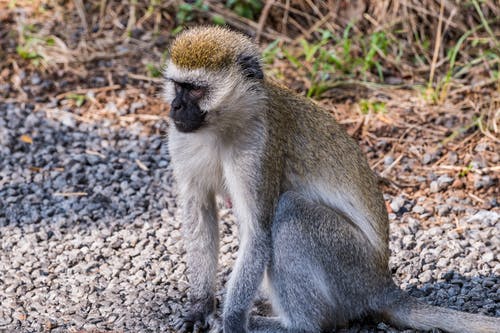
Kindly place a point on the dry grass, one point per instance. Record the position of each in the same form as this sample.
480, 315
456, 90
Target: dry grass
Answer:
411, 78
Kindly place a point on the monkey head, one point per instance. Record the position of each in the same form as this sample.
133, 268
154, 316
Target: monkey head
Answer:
211, 71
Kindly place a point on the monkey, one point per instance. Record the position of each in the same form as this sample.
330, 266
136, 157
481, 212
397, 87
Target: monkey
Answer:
312, 223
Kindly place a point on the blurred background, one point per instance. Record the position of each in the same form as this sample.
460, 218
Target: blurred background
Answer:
89, 241
417, 82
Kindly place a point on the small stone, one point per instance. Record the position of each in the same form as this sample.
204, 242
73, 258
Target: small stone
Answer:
488, 283
116, 244
448, 276
136, 33
20, 316
418, 209
426, 277
427, 158
458, 183
482, 146
487, 257
388, 160
442, 262
443, 210
444, 181
434, 187
452, 157
482, 182
396, 204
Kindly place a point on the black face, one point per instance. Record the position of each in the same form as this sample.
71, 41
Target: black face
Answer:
184, 109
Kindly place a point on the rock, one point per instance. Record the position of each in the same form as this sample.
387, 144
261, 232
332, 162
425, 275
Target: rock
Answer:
114, 259
427, 158
434, 187
396, 204
487, 257
443, 182
418, 209
483, 181
388, 160
443, 210
426, 277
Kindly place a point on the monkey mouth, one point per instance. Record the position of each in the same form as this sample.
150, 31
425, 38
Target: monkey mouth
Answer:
187, 126
188, 119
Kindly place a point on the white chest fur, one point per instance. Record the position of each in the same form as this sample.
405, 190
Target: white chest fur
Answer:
196, 160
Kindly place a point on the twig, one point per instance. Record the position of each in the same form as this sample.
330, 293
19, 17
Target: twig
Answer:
136, 117
244, 24
85, 91
131, 18
145, 78
102, 11
80, 8
263, 18
95, 153
474, 86
70, 194
475, 197
313, 28
437, 45
460, 168
390, 167
141, 165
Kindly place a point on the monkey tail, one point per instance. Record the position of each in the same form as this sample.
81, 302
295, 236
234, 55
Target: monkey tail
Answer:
406, 311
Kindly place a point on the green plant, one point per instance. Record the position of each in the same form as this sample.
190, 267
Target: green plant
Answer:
464, 172
367, 106
218, 20
246, 8
25, 52
332, 57
378, 46
346, 43
30, 46
153, 4
153, 70
271, 52
441, 91
79, 99
319, 61
29, 49
186, 11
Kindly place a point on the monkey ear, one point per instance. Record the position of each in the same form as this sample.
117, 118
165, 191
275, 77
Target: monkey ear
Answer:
250, 66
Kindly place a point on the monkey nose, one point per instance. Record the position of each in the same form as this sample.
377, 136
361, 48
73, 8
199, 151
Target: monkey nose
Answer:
175, 106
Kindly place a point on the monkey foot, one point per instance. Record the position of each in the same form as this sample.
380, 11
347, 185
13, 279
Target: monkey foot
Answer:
199, 319
191, 325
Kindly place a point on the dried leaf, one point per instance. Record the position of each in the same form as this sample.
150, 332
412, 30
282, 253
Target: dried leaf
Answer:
20, 316
26, 138
141, 165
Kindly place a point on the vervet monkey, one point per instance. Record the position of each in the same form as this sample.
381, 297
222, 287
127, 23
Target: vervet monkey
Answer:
312, 220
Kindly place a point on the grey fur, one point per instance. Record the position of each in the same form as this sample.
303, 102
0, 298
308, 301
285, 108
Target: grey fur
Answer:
324, 246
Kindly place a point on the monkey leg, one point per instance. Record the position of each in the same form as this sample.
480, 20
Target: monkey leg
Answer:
201, 235
322, 272
270, 324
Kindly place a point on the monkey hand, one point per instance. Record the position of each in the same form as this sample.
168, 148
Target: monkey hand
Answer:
235, 323
198, 318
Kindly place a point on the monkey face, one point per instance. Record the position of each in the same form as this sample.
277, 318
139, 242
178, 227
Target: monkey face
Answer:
184, 108
203, 99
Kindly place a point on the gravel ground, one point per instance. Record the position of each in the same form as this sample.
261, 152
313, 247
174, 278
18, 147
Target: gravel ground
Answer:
90, 241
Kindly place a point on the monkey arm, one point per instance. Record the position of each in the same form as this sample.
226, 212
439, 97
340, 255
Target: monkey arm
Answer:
254, 190
201, 241
253, 257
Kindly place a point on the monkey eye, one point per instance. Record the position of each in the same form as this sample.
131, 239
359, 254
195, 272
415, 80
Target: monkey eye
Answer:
197, 92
